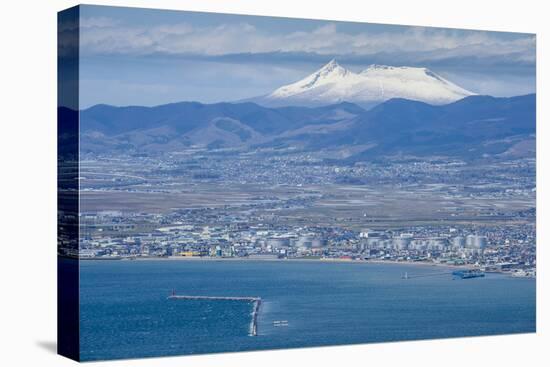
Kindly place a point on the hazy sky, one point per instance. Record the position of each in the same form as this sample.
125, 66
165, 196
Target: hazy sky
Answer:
150, 57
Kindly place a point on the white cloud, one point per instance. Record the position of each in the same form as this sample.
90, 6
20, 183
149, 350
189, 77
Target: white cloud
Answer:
98, 22
107, 36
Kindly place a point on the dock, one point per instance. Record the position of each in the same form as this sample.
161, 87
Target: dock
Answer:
257, 301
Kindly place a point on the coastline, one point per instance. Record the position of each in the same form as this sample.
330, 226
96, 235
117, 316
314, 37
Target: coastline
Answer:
245, 259
304, 260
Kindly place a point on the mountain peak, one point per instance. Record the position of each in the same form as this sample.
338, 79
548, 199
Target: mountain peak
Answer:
333, 83
393, 69
378, 67
330, 74
332, 68
331, 63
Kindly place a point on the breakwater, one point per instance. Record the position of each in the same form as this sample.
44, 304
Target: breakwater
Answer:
255, 311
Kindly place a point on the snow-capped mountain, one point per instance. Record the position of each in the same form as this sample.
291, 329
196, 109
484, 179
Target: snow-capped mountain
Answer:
377, 83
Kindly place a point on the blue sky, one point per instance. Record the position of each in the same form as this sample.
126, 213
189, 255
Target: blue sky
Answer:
148, 57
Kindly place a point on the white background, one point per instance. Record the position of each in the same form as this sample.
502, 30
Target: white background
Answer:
28, 183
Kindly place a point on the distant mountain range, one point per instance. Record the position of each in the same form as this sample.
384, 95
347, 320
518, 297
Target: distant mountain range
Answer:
473, 127
378, 83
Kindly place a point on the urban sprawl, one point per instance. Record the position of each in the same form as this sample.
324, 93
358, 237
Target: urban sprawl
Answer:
283, 206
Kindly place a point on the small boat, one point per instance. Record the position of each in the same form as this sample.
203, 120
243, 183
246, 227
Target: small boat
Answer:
280, 323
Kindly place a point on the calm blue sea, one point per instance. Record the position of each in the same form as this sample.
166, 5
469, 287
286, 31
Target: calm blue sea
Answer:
125, 313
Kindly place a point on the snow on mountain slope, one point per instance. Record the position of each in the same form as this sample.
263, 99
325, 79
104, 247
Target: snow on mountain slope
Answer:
378, 83
331, 78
